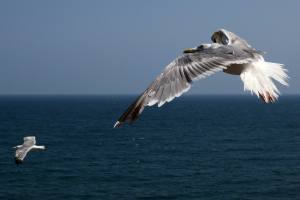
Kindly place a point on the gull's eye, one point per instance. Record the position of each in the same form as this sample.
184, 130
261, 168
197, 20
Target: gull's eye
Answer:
200, 47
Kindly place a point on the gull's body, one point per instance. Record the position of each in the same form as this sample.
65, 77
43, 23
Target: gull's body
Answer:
229, 53
28, 145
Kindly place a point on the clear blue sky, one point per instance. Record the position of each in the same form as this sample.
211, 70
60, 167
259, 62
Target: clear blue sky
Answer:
119, 47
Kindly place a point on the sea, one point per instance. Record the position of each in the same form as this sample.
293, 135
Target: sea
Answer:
195, 147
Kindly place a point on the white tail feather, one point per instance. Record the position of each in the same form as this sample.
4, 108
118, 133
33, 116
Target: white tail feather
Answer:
257, 78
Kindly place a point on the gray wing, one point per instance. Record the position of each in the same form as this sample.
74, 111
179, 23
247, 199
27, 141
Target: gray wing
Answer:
22, 151
179, 75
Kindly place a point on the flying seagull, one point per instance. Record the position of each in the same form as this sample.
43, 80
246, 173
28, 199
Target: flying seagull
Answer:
229, 53
28, 145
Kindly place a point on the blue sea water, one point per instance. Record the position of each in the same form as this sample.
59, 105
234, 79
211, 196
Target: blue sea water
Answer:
196, 147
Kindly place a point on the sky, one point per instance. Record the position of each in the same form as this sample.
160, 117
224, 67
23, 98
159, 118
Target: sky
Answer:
119, 47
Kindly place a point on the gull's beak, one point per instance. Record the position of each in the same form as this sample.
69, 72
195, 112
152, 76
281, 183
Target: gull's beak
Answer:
190, 50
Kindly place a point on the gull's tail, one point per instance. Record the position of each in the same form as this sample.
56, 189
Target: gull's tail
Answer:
259, 78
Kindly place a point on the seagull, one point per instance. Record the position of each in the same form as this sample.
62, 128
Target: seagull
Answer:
28, 145
228, 53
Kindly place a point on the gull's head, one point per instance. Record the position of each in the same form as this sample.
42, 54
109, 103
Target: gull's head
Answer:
225, 37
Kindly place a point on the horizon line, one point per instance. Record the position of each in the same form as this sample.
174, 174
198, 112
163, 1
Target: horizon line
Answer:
232, 94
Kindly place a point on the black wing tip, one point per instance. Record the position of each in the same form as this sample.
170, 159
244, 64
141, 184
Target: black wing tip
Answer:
132, 112
18, 161
117, 124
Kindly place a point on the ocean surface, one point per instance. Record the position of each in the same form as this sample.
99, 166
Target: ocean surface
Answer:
195, 147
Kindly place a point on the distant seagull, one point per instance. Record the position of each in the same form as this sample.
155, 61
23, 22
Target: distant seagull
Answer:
28, 145
229, 53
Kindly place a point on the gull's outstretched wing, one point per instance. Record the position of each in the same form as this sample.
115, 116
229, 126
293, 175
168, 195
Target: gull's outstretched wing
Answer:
29, 141
179, 74
22, 151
